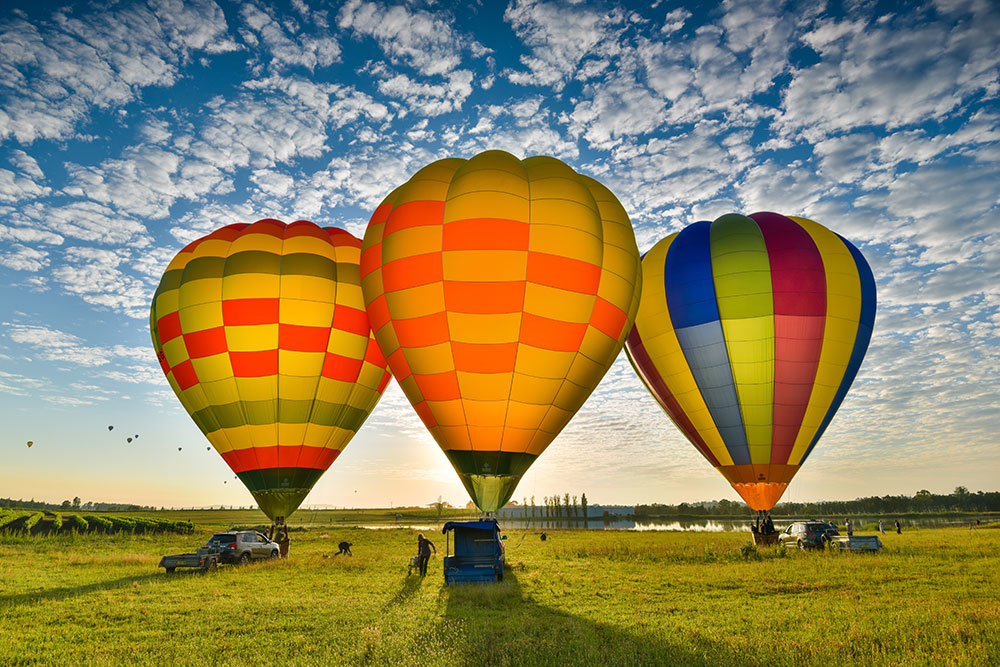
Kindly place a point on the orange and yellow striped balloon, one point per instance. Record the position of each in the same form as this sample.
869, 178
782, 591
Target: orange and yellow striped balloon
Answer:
262, 333
501, 291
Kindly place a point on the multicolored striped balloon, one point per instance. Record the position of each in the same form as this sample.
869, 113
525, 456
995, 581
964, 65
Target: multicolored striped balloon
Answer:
749, 334
500, 291
262, 333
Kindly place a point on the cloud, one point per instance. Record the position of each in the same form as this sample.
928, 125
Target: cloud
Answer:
892, 73
57, 71
423, 40
285, 41
84, 220
560, 36
23, 258
94, 275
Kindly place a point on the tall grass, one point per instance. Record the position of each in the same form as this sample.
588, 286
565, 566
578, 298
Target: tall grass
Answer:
579, 598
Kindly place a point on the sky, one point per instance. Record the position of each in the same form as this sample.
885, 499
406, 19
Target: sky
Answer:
128, 129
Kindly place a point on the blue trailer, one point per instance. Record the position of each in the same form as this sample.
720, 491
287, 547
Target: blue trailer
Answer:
479, 552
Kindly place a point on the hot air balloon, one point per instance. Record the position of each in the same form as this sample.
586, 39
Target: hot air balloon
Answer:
111, 428
30, 443
749, 334
128, 439
262, 334
500, 291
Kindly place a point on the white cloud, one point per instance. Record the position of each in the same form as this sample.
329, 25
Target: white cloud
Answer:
23, 258
94, 275
893, 74
560, 36
426, 41
427, 99
57, 71
286, 43
15, 188
84, 220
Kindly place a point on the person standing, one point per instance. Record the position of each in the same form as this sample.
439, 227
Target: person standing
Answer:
881, 526
424, 547
899, 528
850, 527
284, 542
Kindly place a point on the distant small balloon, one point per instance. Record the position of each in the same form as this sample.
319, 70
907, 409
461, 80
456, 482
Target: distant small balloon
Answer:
208, 449
179, 449
30, 443
136, 435
111, 428
128, 439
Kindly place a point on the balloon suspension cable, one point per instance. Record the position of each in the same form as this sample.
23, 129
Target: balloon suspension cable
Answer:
488, 516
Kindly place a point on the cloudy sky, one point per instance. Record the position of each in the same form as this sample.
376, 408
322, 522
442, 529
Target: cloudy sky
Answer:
126, 132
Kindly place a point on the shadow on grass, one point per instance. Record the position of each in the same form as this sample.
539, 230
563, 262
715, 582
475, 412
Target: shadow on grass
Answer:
64, 592
411, 584
505, 626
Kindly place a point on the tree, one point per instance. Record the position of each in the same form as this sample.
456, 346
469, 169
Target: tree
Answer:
76, 503
65, 505
574, 506
566, 503
583, 505
532, 507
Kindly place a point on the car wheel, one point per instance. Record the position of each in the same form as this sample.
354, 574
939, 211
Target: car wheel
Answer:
802, 545
170, 569
274, 554
244, 558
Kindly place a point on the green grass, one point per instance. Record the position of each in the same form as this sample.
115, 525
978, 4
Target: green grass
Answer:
588, 598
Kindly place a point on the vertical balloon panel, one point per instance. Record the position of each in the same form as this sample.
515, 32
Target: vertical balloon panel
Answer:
500, 291
749, 334
261, 332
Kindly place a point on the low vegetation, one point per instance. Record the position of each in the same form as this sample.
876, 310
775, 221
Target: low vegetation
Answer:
586, 598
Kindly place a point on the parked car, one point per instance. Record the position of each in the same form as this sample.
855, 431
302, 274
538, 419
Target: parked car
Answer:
820, 534
807, 534
242, 546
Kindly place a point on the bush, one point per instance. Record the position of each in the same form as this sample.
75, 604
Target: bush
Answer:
750, 552
122, 524
32, 521
98, 523
79, 523
9, 518
57, 522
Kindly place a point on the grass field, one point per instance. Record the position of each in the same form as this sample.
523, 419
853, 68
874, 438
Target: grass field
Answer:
593, 598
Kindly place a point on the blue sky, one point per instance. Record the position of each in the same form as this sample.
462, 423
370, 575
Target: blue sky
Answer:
128, 129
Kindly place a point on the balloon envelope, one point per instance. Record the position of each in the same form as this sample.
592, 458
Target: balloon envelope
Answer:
500, 291
30, 443
262, 333
749, 334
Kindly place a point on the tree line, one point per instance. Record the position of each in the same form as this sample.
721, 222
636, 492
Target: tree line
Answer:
74, 505
923, 501
554, 506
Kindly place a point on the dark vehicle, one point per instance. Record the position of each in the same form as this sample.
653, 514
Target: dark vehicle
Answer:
479, 552
242, 546
807, 534
230, 546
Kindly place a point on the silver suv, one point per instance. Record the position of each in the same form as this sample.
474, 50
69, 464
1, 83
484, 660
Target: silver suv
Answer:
242, 546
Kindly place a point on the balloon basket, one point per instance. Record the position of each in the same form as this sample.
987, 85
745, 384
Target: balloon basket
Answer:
762, 540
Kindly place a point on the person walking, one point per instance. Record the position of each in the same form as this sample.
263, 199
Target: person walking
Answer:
424, 547
899, 527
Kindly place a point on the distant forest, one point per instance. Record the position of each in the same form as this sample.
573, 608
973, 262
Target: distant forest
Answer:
960, 500
74, 504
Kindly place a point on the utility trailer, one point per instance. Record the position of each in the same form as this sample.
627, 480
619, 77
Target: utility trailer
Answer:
479, 552
205, 558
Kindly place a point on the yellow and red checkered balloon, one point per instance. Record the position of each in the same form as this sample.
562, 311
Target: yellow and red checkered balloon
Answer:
262, 333
500, 291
